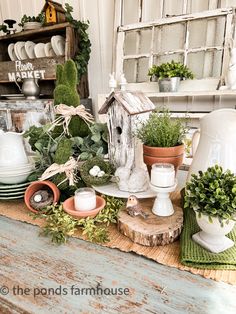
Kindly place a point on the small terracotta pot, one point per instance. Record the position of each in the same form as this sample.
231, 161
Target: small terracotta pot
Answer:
173, 155
69, 207
38, 185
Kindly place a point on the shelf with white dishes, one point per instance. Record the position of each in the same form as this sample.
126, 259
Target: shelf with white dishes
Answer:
45, 64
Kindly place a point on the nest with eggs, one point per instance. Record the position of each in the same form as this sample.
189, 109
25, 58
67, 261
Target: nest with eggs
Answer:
96, 171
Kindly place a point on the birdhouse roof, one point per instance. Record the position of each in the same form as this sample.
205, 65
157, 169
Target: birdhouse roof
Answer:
55, 5
132, 102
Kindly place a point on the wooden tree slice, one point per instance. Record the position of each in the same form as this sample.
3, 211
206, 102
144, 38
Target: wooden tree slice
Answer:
154, 230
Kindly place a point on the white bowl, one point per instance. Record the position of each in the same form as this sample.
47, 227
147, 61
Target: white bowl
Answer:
14, 179
15, 171
16, 167
13, 174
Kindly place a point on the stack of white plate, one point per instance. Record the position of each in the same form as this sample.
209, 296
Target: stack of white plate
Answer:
13, 191
15, 175
22, 50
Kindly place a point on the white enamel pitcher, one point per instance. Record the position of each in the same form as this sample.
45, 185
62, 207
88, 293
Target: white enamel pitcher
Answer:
12, 151
217, 142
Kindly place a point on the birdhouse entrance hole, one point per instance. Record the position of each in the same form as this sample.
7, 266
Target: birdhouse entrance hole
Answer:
119, 132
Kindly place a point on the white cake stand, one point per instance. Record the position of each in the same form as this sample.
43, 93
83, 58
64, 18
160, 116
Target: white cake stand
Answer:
112, 189
163, 205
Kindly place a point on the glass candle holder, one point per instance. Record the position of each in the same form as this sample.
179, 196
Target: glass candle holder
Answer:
85, 199
163, 175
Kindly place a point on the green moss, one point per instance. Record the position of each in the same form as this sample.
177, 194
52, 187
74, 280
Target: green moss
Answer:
64, 151
59, 74
66, 93
63, 94
70, 74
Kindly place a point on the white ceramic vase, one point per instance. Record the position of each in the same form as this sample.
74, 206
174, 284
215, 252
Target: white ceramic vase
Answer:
213, 235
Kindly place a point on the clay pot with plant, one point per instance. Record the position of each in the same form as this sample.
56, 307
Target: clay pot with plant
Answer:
162, 137
169, 75
212, 195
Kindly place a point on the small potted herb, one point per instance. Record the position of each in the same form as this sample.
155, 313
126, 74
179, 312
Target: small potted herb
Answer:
212, 195
32, 22
169, 75
162, 138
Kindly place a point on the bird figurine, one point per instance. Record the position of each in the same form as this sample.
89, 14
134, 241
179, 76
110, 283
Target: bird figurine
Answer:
134, 208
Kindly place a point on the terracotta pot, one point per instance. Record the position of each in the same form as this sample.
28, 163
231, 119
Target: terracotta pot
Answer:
69, 207
173, 155
38, 185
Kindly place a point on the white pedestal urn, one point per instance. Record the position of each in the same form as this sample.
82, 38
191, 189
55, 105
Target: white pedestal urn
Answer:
213, 235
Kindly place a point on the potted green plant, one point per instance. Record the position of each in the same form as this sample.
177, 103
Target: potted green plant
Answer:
162, 137
212, 195
32, 22
169, 75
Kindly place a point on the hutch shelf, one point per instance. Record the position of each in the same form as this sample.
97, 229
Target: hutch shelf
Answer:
41, 35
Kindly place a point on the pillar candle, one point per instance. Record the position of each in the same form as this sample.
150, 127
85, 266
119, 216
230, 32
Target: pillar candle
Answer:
85, 199
163, 175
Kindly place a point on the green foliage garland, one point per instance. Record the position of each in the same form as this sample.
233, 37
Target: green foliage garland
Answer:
212, 193
82, 57
59, 225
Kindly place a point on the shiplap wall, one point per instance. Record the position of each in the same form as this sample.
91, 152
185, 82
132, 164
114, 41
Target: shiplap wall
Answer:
101, 14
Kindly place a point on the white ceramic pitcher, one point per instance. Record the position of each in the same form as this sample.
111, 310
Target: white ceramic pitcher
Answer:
12, 151
217, 143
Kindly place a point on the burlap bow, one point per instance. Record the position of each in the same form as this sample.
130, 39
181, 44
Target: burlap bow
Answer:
68, 168
66, 113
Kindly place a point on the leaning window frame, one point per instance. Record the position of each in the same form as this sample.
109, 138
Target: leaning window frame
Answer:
229, 32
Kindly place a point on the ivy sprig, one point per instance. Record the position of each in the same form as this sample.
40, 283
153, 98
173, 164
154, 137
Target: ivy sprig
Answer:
81, 59
60, 226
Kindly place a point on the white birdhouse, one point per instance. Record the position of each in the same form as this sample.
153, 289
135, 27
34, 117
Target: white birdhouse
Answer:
123, 108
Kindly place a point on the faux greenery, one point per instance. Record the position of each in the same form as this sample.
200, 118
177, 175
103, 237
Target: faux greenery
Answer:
39, 18
161, 130
103, 165
3, 28
170, 69
66, 93
95, 144
82, 57
50, 149
59, 225
212, 193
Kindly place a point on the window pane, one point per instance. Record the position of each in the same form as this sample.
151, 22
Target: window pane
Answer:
145, 41
130, 70
208, 32
178, 57
142, 68
172, 37
130, 43
205, 64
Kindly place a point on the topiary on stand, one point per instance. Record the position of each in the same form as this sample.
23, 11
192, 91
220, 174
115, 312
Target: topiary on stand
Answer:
66, 93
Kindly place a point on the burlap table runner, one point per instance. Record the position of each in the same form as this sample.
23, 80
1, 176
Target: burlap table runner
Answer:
168, 255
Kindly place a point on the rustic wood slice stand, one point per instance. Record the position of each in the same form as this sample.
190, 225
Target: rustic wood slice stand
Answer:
154, 230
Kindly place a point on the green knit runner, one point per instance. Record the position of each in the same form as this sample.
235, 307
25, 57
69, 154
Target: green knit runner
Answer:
193, 255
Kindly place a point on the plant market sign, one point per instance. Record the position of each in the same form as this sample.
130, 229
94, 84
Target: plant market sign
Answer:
24, 71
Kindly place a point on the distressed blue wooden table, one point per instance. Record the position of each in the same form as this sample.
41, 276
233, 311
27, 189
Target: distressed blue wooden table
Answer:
79, 277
